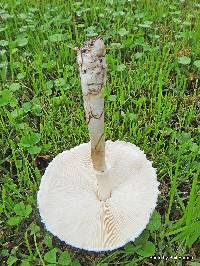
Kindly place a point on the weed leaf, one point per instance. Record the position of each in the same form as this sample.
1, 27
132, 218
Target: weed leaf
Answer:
155, 222
184, 60
142, 238
14, 220
146, 250
48, 241
50, 256
64, 258
34, 150
11, 260
30, 139
197, 63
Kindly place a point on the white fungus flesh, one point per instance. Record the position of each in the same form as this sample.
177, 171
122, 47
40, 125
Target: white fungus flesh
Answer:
71, 210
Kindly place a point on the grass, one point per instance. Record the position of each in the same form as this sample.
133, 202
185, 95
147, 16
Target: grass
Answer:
152, 99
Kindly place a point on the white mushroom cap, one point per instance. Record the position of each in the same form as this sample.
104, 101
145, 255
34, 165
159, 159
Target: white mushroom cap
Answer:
71, 210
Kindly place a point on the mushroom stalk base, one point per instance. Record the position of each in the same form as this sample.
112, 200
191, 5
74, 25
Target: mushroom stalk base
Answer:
103, 184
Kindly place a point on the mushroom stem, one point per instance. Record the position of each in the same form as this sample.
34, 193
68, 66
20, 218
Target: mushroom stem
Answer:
104, 188
92, 68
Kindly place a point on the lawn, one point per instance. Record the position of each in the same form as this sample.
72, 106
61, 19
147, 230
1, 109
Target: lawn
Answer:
152, 99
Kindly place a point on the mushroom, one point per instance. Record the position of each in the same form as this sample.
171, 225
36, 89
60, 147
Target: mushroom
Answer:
99, 195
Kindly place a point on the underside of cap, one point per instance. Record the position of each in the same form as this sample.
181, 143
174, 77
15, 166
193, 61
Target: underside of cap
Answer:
69, 205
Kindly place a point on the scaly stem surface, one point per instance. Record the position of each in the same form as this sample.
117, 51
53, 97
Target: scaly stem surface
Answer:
92, 67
